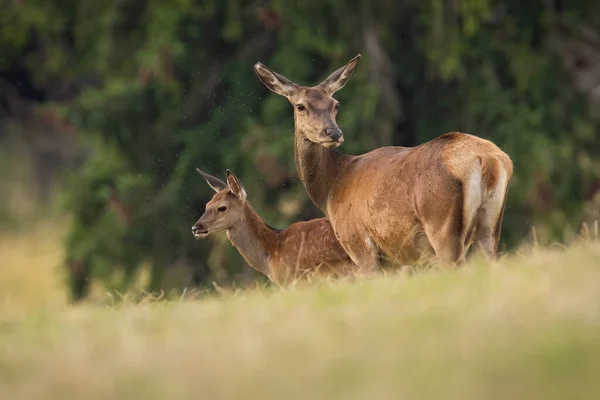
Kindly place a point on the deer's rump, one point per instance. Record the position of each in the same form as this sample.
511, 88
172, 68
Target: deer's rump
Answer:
397, 198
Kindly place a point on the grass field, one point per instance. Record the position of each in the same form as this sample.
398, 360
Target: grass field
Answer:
525, 328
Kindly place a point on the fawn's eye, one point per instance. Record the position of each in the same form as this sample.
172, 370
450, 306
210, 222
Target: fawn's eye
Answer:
300, 107
222, 209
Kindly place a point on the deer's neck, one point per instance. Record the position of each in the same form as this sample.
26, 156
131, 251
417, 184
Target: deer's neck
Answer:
255, 240
319, 168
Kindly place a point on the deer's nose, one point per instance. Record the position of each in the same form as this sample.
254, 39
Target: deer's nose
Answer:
198, 228
335, 134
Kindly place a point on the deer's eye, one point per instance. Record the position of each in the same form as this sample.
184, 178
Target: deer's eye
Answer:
222, 209
337, 106
300, 107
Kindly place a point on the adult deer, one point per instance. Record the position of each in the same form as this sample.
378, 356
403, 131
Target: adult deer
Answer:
304, 248
399, 202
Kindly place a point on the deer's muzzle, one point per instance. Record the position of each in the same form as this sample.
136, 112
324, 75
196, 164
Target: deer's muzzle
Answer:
332, 137
199, 231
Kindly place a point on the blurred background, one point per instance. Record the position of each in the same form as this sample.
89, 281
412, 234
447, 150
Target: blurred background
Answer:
108, 106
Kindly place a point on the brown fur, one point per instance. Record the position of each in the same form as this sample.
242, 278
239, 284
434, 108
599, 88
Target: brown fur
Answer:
301, 250
396, 201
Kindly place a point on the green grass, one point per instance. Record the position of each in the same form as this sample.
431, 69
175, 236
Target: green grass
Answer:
525, 328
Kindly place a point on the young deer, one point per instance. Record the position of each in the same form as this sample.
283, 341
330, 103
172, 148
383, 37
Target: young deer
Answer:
283, 255
399, 202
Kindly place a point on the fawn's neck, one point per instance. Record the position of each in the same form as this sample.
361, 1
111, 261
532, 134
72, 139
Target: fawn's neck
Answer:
255, 240
318, 168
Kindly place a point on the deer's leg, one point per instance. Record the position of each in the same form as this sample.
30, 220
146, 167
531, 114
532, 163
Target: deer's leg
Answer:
448, 247
446, 207
484, 237
447, 236
362, 252
368, 263
357, 243
498, 227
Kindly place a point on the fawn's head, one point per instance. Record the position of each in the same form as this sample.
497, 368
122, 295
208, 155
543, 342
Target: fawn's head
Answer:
315, 109
224, 209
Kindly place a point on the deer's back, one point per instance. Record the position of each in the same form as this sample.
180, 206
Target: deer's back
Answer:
392, 172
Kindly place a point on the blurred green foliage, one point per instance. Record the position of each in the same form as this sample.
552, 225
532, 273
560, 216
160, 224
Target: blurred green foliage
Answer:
157, 88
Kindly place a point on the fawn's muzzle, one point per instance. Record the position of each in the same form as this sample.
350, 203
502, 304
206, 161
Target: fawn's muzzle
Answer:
199, 231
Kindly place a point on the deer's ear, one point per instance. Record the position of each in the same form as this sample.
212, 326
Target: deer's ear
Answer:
274, 81
212, 181
339, 78
235, 186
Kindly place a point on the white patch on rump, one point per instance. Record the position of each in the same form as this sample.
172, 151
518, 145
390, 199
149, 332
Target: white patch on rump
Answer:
472, 193
494, 197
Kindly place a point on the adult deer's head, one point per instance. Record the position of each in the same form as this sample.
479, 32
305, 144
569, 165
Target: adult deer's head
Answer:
315, 109
225, 209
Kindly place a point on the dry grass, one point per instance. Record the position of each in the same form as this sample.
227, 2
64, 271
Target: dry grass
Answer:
528, 327
29, 273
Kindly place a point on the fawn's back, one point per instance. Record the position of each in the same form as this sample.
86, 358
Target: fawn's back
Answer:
310, 246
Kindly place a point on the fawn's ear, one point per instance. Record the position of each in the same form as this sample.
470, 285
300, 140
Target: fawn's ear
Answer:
235, 186
339, 78
212, 181
274, 81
